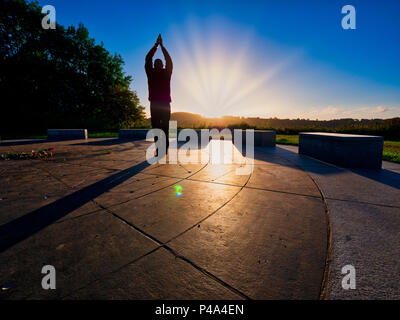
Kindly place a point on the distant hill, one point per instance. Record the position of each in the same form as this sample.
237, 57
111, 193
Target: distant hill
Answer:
186, 119
390, 128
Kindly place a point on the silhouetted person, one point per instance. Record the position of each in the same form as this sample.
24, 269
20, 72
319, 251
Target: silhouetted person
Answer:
159, 79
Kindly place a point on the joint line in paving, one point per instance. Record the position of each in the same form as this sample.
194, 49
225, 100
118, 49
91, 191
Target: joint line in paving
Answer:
364, 202
212, 213
101, 207
237, 185
328, 254
161, 244
164, 245
111, 272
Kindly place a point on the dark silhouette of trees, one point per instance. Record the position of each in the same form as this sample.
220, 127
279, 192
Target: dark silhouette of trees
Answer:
59, 77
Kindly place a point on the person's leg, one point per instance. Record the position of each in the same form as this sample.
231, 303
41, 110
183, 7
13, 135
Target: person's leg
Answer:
165, 128
166, 115
156, 119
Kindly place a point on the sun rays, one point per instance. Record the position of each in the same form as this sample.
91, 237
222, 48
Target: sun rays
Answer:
215, 75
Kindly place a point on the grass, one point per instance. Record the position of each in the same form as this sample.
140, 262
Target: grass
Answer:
391, 149
292, 140
111, 134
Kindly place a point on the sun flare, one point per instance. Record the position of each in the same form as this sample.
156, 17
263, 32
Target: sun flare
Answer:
217, 77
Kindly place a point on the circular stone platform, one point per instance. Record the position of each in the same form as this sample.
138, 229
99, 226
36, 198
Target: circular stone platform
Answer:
114, 228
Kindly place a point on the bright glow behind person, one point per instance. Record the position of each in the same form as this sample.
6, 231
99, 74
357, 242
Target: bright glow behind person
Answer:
218, 72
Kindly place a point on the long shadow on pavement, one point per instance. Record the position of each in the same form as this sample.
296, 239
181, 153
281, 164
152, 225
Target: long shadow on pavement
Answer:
105, 142
383, 176
19, 229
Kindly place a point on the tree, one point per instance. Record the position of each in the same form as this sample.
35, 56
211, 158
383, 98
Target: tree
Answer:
59, 78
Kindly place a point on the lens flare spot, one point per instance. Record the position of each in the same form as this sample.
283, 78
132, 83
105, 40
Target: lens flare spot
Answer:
178, 190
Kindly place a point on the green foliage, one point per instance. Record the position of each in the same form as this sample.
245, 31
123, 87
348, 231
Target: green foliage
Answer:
391, 151
59, 78
287, 139
242, 125
390, 155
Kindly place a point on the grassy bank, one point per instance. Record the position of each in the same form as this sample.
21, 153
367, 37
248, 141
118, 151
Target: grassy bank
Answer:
391, 149
113, 134
291, 139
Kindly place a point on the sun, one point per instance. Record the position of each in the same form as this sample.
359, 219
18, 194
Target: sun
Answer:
214, 75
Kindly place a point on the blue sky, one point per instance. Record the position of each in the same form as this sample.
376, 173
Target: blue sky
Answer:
287, 58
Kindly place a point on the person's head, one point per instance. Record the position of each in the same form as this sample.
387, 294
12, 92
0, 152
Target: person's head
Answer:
158, 64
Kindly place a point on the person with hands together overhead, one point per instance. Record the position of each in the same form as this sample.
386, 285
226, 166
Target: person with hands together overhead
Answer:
159, 83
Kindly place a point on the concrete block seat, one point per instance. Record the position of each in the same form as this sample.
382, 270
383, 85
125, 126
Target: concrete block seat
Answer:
345, 150
262, 138
136, 134
140, 134
66, 134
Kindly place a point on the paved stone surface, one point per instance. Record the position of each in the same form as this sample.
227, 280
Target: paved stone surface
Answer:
364, 212
114, 228
266, 244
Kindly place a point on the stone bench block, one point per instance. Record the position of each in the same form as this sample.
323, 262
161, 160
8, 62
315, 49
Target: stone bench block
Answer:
345, 150
136, 134
66, 134
264, 138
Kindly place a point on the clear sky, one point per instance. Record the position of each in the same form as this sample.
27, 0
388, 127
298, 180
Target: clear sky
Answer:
285, 59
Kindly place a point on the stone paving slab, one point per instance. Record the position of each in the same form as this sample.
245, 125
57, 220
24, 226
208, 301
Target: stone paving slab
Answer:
135, 190
371, 244
157, 276
232, 178
214, 171
391, 166
115, 228
283, 178
82, 250
17, 183
176, 171
364, 214
13, 208
164, 215
249, 244
78, 177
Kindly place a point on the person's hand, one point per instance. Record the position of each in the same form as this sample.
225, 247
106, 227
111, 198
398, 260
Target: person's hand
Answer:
159, 40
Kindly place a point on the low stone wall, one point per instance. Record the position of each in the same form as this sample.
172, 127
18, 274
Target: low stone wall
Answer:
345, 150
135, 134
66, 134
262, 138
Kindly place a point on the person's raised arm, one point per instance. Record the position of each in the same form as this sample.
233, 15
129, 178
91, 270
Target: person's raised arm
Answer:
149, 58
168, 60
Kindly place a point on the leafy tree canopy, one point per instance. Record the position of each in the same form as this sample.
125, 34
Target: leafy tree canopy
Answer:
59, 77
